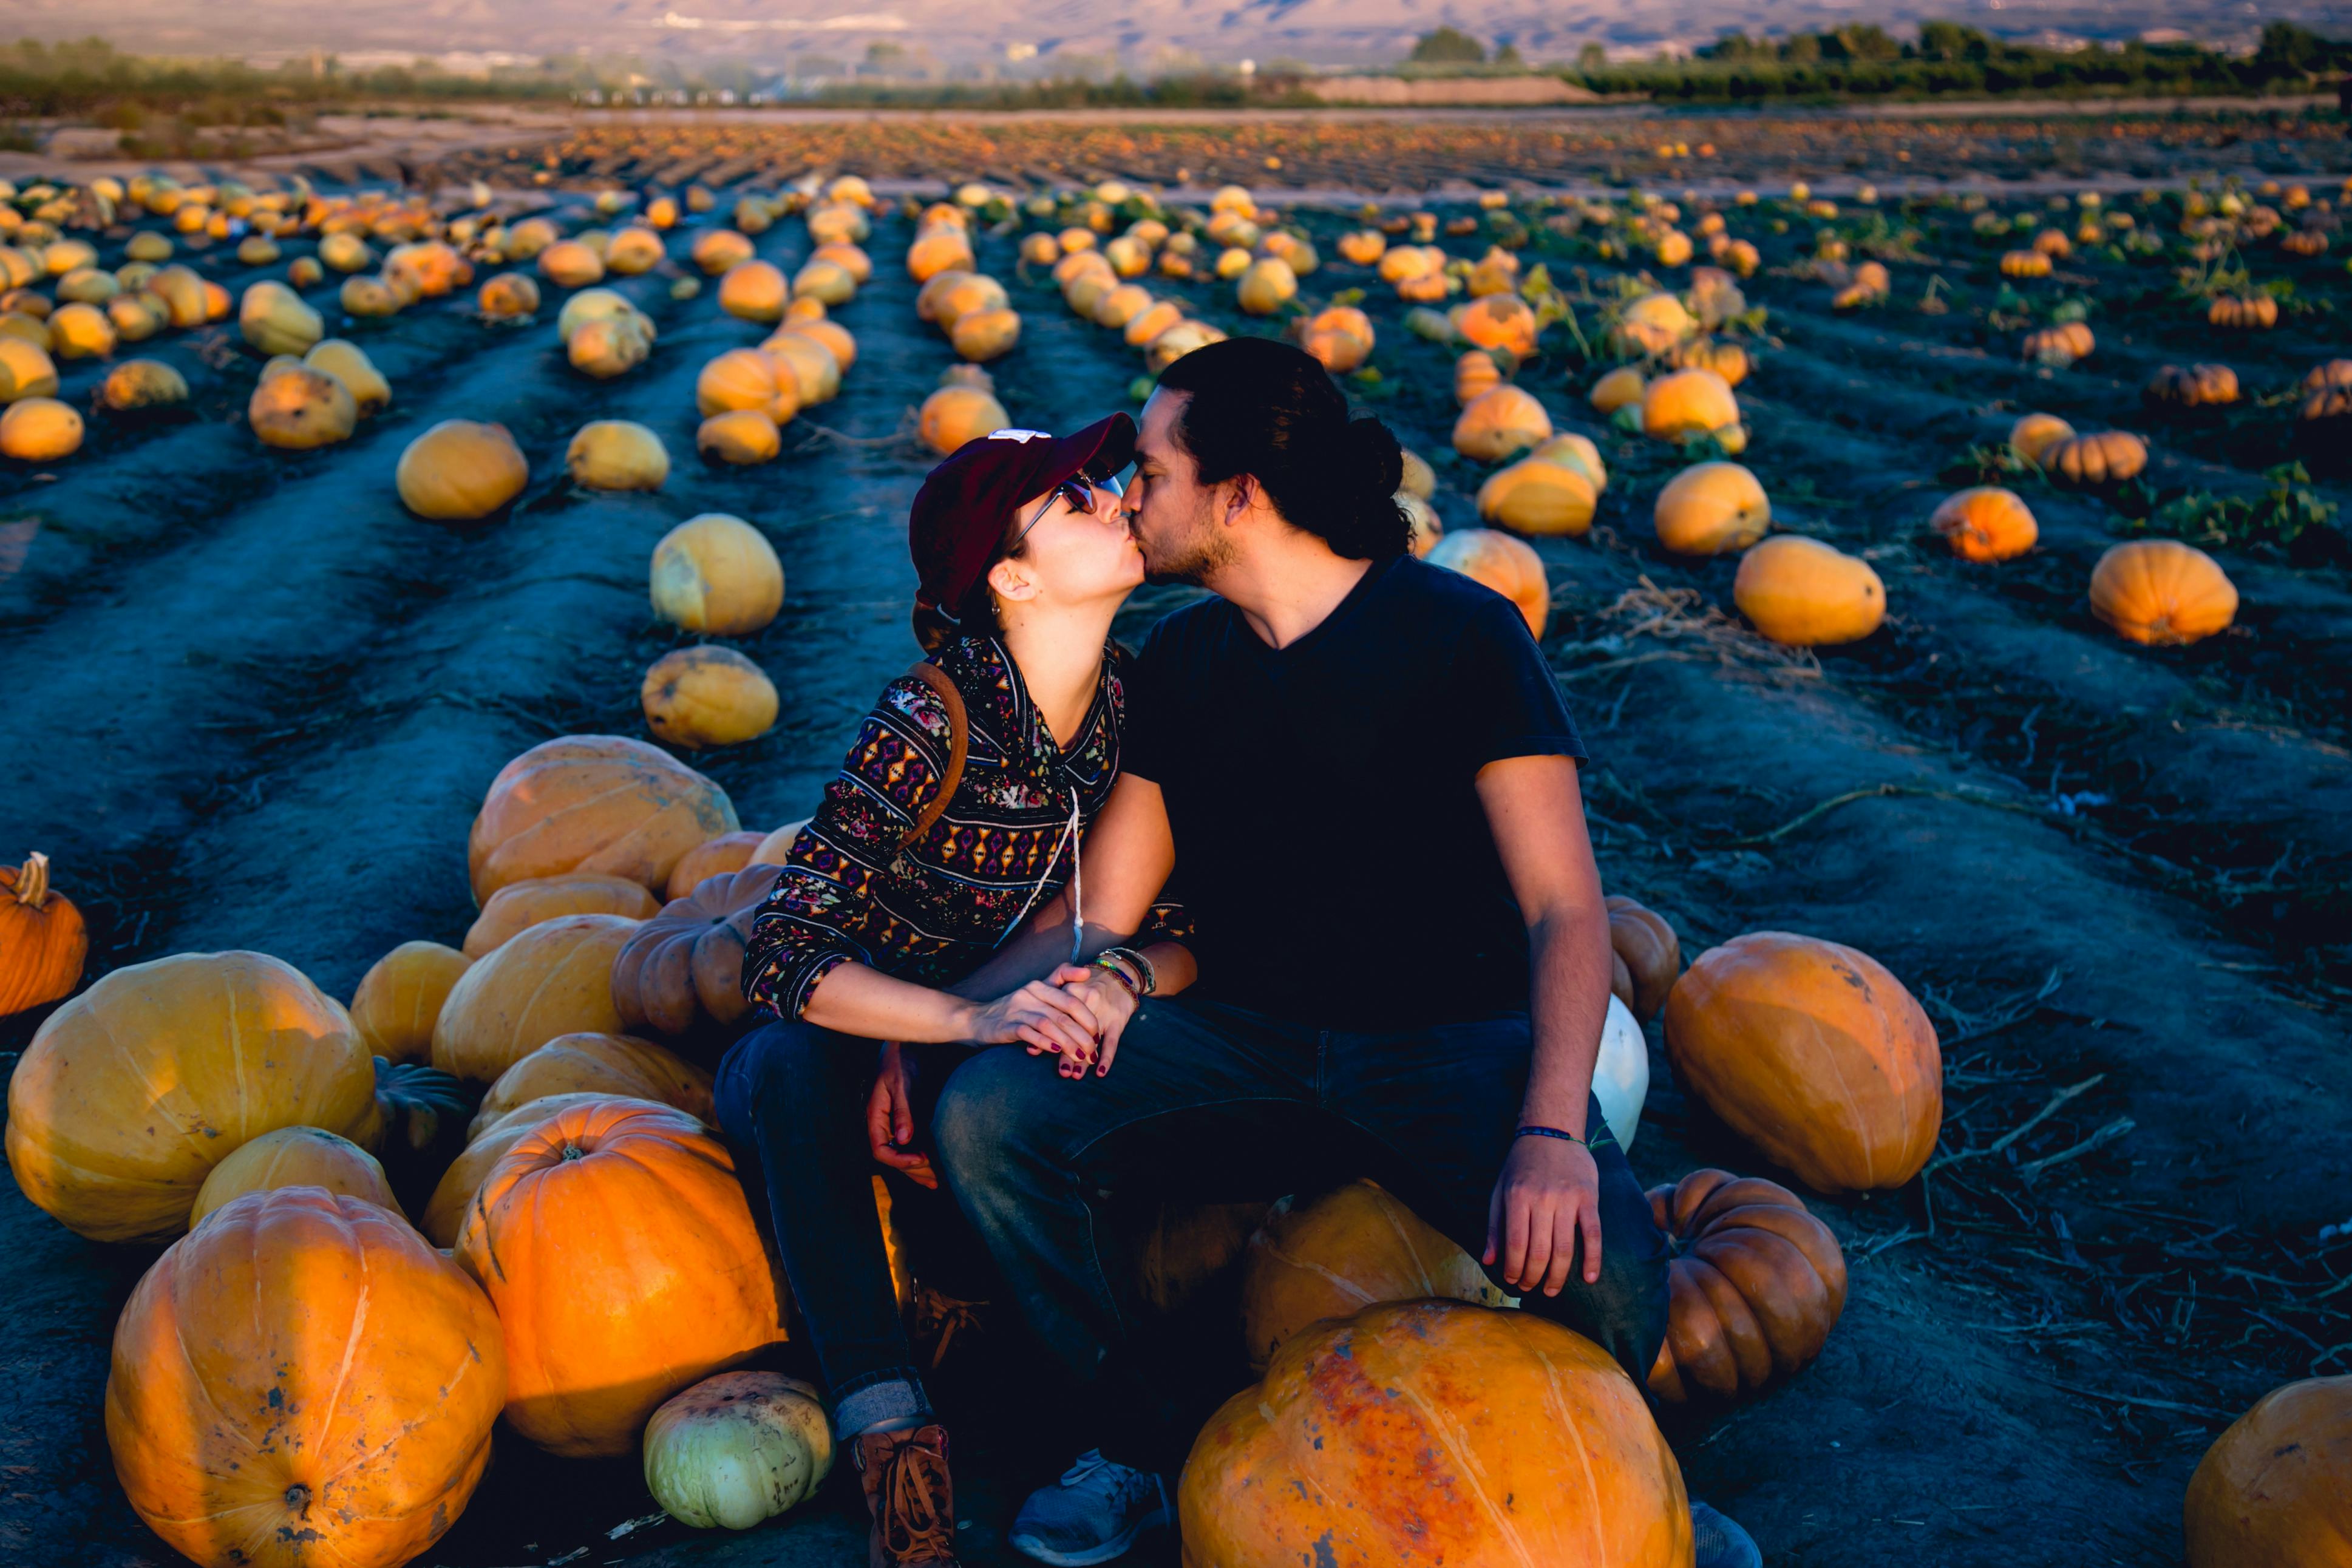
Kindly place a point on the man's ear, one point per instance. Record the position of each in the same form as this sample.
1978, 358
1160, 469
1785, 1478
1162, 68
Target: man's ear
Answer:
1243, 498
1010, 582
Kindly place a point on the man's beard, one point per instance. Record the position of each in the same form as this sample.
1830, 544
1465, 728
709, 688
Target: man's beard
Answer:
1192, 560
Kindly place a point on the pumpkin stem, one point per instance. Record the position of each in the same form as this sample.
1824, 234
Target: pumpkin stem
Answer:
572, 1151
32, 880
297, 1498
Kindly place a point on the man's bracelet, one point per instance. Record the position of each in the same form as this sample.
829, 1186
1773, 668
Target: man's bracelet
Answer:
1532, 1131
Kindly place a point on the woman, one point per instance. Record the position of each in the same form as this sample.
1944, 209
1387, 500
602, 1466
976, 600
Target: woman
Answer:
960, 808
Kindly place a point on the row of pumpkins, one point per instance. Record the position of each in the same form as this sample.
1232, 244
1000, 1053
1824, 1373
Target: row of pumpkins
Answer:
602, 1265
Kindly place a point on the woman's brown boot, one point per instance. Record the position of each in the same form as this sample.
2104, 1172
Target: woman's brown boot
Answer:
909, 1497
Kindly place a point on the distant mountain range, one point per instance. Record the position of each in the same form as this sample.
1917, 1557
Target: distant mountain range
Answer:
1021, 38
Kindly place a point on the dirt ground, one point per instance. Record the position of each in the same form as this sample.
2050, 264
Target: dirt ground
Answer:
254, 704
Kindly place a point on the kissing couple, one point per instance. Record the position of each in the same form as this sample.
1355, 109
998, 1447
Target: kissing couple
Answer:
1309, 870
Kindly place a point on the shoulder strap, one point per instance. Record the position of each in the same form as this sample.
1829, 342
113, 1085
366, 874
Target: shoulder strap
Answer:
943, 686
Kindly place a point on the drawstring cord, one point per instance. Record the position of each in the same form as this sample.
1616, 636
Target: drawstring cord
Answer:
1071, 840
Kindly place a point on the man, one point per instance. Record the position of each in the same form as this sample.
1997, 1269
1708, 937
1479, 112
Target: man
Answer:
1361, 769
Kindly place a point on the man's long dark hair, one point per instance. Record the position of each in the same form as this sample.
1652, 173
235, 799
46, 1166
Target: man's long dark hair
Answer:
1267, 409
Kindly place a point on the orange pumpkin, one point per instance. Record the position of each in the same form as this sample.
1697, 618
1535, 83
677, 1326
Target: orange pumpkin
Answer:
43, 942
2109, 458
1508, 565
2250, 313
1804, 593
1498, 320
2162, 592
294, 1157
2035, 435
2059, 346
599, 1064
614, 1241
592, 803
2276, 1487
685, 966
727, 852
520, 905
1986, 523
1647, 947
554, 979
1352, 1248
1756, 1286
444, 1214
132, 1092
1815, 1054
2192, 386
1428, 1433
316, 1334
1476, 374
401, 997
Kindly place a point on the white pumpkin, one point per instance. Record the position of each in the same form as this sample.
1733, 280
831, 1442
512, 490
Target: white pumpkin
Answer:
1621, 1078
738, 1449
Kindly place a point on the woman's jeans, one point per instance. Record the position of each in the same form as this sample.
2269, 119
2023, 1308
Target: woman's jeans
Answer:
1198, 1090
792, 1100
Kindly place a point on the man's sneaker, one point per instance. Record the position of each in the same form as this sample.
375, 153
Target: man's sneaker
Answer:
1091, 1515
909, 1495
1721, 1543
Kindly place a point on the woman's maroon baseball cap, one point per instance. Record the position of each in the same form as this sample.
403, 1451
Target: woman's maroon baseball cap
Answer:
966, 504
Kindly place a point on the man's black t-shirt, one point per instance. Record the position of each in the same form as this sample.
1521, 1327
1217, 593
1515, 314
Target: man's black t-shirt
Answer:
1331, 845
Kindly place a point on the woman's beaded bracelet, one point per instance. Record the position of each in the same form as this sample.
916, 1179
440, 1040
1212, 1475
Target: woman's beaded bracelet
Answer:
1118, 970
1137, 968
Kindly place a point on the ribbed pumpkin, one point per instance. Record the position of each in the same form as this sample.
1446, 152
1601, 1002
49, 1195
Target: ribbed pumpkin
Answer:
1815, 1054
1508, 565
1423, 1434
554, 979
348, 1375
738, 1449
2246, 313
727, 852
1756, 1286
2059, 346
2162, 592
1476, 374
43, 940
294, 1157
134, 1091
1352, 1248
592, 803
1497, 424
1646, 946
2190, 386
597, 1064
2109, 458
614, 1240
1804, 593
520, 905
1711, 508
2276, 1487
1986, 523
2033, 436
401, 996
684, 968
445, 1212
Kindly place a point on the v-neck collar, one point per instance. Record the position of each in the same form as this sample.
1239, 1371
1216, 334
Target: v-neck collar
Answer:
1025, 720
1373, 574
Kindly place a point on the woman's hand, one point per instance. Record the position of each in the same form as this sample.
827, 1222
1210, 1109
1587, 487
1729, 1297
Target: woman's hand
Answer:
890, 1120
1040, 1015
1107, 1001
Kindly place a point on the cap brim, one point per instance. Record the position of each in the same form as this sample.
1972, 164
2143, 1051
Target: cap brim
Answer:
1099, 451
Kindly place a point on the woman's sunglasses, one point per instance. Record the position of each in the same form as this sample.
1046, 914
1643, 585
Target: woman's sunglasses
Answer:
1077, 490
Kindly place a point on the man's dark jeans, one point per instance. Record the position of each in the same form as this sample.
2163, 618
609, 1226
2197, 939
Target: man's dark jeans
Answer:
792, 1100
1430, 1111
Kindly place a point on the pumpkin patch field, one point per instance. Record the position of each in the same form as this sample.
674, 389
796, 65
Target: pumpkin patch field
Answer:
424, 612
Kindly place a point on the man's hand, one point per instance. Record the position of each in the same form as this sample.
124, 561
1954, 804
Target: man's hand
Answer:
890, 1120
1549, 1191
1107, 1001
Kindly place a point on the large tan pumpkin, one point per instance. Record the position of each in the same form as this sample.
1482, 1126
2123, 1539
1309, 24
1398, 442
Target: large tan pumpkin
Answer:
614, 1240
2276, 1487
294, 1157
684, 967
1756, 1286
716, 574
1815, 1054
1500, 421
459, 471
520, 905
1804, 593
553, 979
400, 997
592, 803
303, 1381
1508, 565
1435, 1434
1712, 509
1352, 1248
132, 1092
597, 1064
